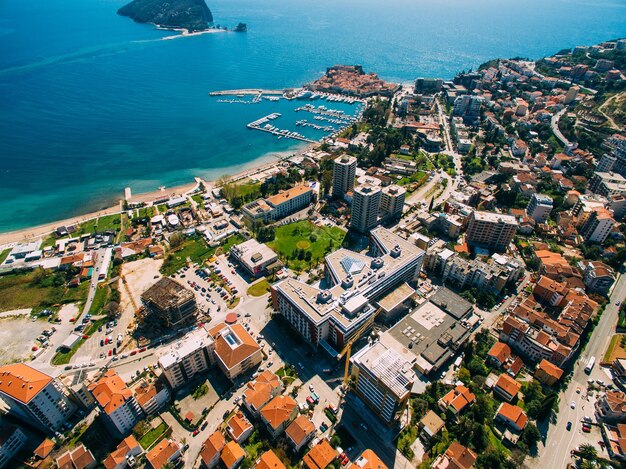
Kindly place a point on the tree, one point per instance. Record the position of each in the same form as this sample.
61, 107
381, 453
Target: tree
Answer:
176, 240
480, 439
464, 375
531, 435
432, 203
587, 451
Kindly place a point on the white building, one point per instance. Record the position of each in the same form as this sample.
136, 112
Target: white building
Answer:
344, 171
365, 206
597, 227
34, 397
189, 356
253, 256
539, 207
392, 201
119, 409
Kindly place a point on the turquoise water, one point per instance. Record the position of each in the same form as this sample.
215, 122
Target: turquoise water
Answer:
92, 102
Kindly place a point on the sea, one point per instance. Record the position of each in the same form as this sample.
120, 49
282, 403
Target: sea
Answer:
91, 102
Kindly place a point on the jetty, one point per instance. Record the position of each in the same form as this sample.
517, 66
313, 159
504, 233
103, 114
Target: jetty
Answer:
263, 124
247, 91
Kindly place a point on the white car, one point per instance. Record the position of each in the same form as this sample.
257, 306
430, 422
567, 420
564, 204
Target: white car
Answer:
573, 405
311, 388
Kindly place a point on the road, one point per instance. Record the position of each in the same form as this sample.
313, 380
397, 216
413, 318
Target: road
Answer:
556, 453
554, 124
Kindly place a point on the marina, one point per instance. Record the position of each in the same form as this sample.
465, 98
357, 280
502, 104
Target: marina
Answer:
263, 124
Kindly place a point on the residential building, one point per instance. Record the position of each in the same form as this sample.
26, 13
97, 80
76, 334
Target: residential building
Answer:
330, 318
300, 432
607, 184
548, 373
392, 202
34, 397
369, 460
211, 450
187, 358
236, 351
428, 85
239, 428
232, 455
320, 456
506, 387
597, 227
457, 400
269, 460
498, 354
152, 397
616, 438
611, 407
456, 456
490, 230
260, 391
512, 416
125, 455
44, 449
383, 380
344, 172
598, 277
539, 207
164, 452
78, 458
12, 439
119, 409
430, 425
365, 207
550, 291
278, 413
254, 256
169, 302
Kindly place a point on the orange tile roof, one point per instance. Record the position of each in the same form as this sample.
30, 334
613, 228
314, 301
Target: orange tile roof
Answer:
300, 429
238, 425
513, 413
370, 460
461, 456
500, 351
82, 457
110, 391
289, 194
508, 384
459, 398
120, 453
144, 393
278, 410
22, 382
65, 461
212, 447
269, 460
44, 449
550, 369
232, 453
320, 456
161, 453
259, 392
231, 356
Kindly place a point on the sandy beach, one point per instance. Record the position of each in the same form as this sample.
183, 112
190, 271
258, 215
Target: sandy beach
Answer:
244, 171
185, 33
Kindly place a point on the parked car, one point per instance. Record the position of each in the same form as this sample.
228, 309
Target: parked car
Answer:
568, 426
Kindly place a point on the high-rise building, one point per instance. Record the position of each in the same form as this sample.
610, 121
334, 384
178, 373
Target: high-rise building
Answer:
606, 163
392, 201
539, 207
597, 226
383, 380
344, 172
365, 206
119, 409
34, 397
490, 230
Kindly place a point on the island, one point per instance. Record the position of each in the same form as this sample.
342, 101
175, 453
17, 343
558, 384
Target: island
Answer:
240, 28
192, 15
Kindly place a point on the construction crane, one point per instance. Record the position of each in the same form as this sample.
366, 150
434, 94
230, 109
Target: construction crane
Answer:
130, 296
347, 350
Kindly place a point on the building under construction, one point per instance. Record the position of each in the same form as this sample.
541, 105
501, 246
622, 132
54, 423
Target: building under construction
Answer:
169, 303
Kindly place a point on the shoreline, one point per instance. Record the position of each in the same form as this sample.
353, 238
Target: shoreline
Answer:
244, 171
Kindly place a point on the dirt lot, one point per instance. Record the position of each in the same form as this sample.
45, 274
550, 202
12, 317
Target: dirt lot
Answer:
17, 336
140, 275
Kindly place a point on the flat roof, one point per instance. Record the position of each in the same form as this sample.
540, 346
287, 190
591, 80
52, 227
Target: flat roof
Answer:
253, 253
396, 297
190, 343
493, 217
450, 302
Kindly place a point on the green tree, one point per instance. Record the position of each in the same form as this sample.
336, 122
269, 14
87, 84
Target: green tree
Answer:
531, 435
176, 240
587, 451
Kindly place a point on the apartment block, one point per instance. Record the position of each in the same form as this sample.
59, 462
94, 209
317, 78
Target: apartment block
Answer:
490, 230
344, 172
383, 380
12, 439
119, 409
597, 227
187, 358
365, 207
539, 207
278, 206
34, 397
236, 352
392, 202
169, 302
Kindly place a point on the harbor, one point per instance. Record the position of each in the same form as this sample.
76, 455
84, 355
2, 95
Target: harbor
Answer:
263, 124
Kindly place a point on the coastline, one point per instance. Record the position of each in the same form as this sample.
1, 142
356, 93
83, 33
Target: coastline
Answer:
185, 32
244, 171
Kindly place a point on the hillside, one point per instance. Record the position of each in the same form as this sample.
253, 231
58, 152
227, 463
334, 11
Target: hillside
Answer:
193, 15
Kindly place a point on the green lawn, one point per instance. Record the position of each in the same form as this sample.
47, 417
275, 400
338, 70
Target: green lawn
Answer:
37, 289
151, 436
304, 237
100, 299
414, 181
105, 223
4, 254
198, 199
260, 288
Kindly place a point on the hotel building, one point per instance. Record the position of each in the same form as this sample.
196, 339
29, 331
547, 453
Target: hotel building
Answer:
344, 171
365, 206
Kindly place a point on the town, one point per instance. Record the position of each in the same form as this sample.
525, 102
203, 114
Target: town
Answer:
438, 284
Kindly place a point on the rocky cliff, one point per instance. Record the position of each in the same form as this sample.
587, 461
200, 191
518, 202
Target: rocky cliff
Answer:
193, 15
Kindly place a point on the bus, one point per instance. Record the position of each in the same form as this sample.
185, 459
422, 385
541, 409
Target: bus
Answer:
590, 363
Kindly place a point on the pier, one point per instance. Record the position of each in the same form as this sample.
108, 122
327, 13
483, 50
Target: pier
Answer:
247, 91
263, 124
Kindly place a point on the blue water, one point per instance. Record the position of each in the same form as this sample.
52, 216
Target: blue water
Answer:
91, 102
